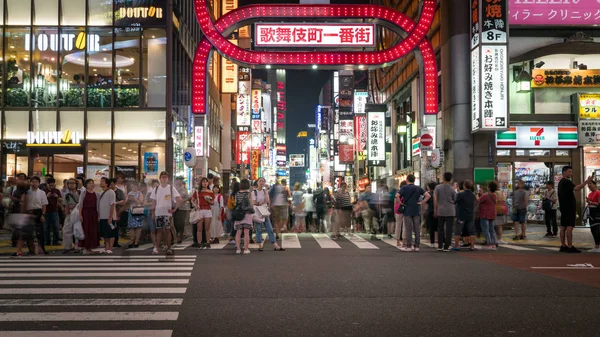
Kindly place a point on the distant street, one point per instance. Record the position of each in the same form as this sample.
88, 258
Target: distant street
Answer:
351, 287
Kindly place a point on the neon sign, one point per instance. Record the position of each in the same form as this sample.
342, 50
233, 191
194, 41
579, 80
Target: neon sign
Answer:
314, 35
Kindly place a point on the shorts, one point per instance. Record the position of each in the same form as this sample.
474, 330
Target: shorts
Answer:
467, 226
180, 219
567, 220
106, 231
205, 213
163, 222
280, 213
520, 216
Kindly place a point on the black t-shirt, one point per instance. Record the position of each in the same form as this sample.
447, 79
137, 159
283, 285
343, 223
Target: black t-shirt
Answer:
465, 205
566, 198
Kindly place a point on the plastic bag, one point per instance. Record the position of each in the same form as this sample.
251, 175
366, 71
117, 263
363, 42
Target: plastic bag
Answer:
77, 226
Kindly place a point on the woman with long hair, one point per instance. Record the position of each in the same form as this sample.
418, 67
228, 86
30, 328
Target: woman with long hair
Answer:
88, 211
202, 199
243, 199
216, 227
299, 212
260, 197
136, 215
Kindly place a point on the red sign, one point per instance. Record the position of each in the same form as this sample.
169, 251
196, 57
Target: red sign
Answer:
360, 132
243, 147
426, 140
346, 153
314, 35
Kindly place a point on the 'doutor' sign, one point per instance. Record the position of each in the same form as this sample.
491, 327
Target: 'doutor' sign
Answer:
426, 139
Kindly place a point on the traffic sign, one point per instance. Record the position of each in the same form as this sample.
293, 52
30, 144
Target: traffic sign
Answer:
426, 140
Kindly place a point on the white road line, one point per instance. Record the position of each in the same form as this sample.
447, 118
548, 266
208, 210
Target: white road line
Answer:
554, 249
89, 333
104, 257
324, 241
102, 264
142, 247
183, 245
219, 245
3, 269
165, 274
391, 242
562, 268
53, 291
86, 316
91, 302
515, 247
360, 242
290, 240
26, 261
96, 281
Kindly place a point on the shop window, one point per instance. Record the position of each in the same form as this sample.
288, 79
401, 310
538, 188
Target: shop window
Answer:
502, 153
44, 45
127, 69
148, 125
153, 159
99, 162
100, 80
520, 102
72, 120
18, 67
45, 12
17, 124
72, 78
99, 125
533, 153
16, 164
43, 121
73, 12
19, 12
126, 160
155, 67
563, 153
100, 12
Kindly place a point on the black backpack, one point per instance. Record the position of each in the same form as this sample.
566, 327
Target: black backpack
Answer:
240, 209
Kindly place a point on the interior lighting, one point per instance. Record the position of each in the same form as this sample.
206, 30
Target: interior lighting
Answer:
314, 66
268, 66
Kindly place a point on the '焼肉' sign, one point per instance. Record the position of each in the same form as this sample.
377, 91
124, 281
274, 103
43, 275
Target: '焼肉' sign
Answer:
314, 35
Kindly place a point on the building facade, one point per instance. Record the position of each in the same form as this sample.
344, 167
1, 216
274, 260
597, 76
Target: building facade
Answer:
88, 87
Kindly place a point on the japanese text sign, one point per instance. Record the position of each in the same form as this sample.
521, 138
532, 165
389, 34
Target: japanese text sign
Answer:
589, 132
229, 75
314, 35
493, 21
554, 12
256, 103
589, 106
361, 132
565, 78
360, 100
537, 137
199, 140
376, 138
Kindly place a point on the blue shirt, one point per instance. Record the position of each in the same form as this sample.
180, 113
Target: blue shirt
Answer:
410, 195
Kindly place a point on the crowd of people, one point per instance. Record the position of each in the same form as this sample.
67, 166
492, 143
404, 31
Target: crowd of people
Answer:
452, 214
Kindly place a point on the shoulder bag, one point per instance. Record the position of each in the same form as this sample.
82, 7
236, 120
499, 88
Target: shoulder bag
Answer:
547, 203
402, 206
195, 213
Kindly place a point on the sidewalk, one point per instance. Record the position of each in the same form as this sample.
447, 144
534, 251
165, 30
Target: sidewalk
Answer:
582, 237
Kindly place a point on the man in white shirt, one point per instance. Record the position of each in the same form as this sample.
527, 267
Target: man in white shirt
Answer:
36, 205
165, 200
106, 213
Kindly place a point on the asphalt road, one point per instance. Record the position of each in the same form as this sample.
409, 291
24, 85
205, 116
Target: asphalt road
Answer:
307, 291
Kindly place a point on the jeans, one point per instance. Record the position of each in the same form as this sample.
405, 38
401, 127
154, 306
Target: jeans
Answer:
445, 237
489, 232
596, 234
399, 229
258, 228
412, 224
51, 225
551, 224
431, 227
368, 216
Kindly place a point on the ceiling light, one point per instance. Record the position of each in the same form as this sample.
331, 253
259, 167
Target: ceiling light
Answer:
314, 66
593, 151
104, 59
95, 70
104, 155
268, 66
52, 59
26, 58
12, 47
153, 36
89, 151
132, 59
134, 151
129, 150
124, 147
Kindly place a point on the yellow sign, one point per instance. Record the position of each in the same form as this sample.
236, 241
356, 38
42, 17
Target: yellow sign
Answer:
229, 74
565, 78
302, 134
53, 138
589, 106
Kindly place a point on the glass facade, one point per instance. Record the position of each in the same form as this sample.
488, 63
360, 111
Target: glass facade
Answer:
92, 69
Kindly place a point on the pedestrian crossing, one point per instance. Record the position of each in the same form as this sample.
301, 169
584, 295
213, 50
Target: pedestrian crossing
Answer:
99, 295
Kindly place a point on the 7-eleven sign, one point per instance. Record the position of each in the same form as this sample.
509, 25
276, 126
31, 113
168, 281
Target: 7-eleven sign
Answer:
537, 137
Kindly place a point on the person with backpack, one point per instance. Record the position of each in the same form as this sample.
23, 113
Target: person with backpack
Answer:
260, 197
343, 209
203, 199
165, 200
242, 214
549, 204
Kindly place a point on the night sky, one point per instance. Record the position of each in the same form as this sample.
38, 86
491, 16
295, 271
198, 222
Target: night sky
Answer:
303, 88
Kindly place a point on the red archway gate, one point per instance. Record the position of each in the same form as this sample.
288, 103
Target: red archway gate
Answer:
415, 38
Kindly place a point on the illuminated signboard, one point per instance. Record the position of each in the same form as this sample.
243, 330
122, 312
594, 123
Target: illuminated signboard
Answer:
229, 74
199, 140
489, 65
376, 138
64, 42
537, 137
360, 100
296, 160
589, 106
53, 138
136, 12
565, 78
554, 12
314, 35
256, 103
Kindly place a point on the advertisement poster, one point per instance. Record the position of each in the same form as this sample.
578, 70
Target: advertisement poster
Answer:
376, 138
96, 172
128, 172
151, 163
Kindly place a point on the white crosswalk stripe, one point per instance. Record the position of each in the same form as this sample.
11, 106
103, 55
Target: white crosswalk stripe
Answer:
149, 289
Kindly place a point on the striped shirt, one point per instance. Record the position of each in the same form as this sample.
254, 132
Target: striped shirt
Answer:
343, 200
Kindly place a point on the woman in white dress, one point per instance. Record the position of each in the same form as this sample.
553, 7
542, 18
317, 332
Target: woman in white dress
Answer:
216, 226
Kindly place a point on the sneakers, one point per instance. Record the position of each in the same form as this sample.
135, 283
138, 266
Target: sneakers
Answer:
238, 251
247, 251
154, 251
197, 245
563, 249
440, 249
548, 235
446, 249
108, 252
406, 249
501, 242
207, 246
169, 251
595, 250
432, 245
454, 249
516, 238
416, 249
573, 250
232, 242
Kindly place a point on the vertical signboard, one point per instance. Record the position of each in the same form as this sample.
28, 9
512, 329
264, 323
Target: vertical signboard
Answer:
360, 100
376, 138
229, 74
243, 97
243, 145
256, 103
280, 78
199, 140
489, 65
360, 130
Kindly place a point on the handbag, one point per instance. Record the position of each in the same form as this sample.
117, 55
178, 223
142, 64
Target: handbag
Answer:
195, 213
257, 216
402, 207
137, 210
263, 210
547, 204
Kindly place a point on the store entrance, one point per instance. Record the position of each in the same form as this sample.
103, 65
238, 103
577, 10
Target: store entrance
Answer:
61, 163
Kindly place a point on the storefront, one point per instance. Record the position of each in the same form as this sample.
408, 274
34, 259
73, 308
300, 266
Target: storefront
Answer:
85, 90
534, 155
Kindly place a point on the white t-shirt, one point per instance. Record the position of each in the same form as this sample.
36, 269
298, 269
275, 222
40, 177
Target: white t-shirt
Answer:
308, 202
164, 200
36, 199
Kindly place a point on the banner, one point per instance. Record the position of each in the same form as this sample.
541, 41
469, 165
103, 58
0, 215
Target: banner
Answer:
376, 138
346, 153
361, 132
255, 165
336, 35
